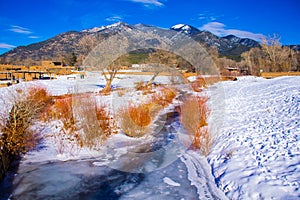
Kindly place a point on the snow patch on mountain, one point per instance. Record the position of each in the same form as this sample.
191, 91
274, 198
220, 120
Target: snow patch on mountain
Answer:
178, 26
101, 28
182, 27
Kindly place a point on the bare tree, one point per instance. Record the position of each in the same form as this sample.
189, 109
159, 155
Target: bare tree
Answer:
225, 63
276, 56
297, 61
160, 61
254, 60
105, 56
294, 60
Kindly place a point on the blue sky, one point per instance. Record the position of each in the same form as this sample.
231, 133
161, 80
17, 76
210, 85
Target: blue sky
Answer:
28, 21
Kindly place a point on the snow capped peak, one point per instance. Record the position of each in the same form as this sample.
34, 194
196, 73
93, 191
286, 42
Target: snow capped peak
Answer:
94, 30
178, 26
181, 26
115, 25
184, 28
101, 28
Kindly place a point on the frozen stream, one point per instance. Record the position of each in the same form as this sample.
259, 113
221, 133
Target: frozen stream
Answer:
159, 168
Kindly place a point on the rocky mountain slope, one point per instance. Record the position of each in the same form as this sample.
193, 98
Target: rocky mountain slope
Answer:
68, 42
229, 46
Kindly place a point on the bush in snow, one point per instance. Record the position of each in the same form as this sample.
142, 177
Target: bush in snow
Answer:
198, 84
134, 120
194, 113
140, 85
67, 138
163, 97
80, 122
95, 121
201, 82
26, 106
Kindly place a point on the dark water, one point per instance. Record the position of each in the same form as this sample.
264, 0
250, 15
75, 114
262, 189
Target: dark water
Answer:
72, 180
82, 179
6, 186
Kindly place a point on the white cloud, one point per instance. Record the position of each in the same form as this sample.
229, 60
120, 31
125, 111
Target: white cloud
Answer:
115, 18
148, 2
219, 29
216, 28
212, 18
208, 16
20, 29
34, 37
6, 46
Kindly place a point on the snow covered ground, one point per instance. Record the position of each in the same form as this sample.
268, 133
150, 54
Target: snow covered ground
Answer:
255, 123
257, 150
124, 167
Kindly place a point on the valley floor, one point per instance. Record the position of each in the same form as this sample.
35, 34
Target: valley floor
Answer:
256, 127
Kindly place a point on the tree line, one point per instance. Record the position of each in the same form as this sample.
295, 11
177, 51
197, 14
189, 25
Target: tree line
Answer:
271, 56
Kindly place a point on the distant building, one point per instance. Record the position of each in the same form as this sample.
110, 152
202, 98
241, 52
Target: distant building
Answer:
140, 66
47, 69
50, 64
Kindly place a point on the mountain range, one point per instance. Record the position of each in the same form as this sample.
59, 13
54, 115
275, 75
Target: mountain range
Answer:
66, 43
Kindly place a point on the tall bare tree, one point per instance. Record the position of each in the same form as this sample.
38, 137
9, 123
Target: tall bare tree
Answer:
277, 56
160, 61
105, 58
254, 60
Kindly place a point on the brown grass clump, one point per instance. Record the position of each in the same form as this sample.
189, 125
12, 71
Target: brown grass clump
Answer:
198, 84
28, 103
40, 95
67, 139
63, 110
136, 119
163, 97
105, 121
202, 140
140, 86
194, 113
140, 114
95, 121
202, 82
84, 122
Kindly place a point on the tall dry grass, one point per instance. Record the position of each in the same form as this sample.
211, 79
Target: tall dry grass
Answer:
135, 120
194, 114
163, 96
67, 139
203, 82
96, 121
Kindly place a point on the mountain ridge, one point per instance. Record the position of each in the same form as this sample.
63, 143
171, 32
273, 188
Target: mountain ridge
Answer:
67, 42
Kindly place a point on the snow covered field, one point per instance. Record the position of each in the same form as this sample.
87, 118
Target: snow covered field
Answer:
257, 151
256, 155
